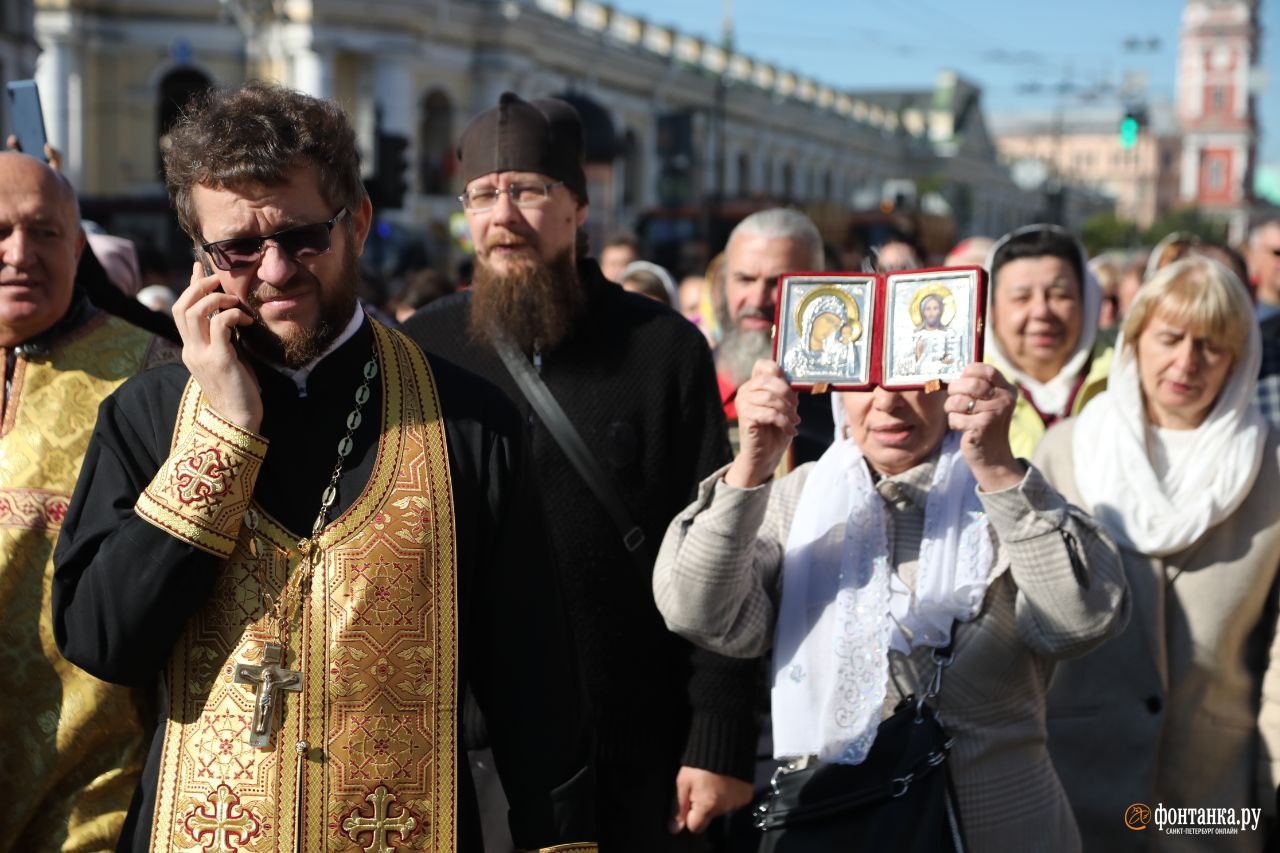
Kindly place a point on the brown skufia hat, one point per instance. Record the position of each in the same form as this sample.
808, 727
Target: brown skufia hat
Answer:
543, 136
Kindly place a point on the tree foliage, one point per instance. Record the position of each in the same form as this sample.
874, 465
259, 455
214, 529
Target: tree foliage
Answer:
1108, 231
1104, 231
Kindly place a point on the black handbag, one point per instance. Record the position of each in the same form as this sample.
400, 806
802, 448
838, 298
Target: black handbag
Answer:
900, 799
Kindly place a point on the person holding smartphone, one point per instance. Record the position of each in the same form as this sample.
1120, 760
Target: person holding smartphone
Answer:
73, 745
308, 538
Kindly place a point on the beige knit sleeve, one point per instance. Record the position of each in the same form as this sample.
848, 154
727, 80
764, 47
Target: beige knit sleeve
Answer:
716, 577
1072, 592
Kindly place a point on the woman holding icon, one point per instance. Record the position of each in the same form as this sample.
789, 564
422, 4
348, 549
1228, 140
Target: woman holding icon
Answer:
917, 519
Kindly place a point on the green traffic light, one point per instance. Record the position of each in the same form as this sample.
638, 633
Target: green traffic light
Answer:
1128, 132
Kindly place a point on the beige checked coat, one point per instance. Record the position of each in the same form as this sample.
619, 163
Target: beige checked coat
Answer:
717, 582
1183, 708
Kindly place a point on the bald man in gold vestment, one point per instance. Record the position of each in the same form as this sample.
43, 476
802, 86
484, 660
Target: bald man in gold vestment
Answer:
72, 745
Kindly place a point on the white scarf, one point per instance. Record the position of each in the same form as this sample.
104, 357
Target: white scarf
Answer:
1054, 396
840, 597
1159, 516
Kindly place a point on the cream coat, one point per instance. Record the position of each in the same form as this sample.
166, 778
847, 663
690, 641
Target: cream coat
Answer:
1183, 708
717, 582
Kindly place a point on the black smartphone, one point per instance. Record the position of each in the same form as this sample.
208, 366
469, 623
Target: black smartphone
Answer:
203, 257
26, 117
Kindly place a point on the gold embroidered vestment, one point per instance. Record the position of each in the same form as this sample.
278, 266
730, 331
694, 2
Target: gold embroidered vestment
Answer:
72, 745
375, 641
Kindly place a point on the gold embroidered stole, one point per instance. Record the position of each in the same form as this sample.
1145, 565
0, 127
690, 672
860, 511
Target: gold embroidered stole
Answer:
376, 642
72, 745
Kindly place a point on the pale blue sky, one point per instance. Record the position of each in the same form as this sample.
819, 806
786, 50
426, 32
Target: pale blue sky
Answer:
1001, 44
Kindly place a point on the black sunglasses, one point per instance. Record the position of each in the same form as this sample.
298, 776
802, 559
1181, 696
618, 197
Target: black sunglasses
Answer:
302, 241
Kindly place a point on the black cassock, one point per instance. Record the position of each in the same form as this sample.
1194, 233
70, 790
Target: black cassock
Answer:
124, 589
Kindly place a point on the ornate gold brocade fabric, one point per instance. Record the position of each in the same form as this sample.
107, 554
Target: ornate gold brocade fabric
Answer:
72, 745
376, 643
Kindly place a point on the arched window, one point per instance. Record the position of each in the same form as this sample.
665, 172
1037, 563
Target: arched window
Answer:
176, 90
436, 162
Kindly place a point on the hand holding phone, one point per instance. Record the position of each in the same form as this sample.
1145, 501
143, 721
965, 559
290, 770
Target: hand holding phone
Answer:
207, 319
27, 118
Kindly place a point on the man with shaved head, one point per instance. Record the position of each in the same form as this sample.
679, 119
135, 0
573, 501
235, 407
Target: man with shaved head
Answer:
72, 745
42, 245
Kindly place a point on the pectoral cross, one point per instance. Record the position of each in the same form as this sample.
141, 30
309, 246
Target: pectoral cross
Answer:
268, 678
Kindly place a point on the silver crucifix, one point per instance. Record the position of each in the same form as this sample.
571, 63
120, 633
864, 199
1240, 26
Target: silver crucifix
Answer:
268, 679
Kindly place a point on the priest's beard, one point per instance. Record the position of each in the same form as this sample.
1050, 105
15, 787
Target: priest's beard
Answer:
536, 303
337, 305
739, 351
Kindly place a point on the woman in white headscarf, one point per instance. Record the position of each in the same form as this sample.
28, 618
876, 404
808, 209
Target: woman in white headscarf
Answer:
1175, 461
855, 568
1043, 308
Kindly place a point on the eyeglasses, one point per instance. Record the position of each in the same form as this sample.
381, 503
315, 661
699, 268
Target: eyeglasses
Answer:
522, 195
302, 241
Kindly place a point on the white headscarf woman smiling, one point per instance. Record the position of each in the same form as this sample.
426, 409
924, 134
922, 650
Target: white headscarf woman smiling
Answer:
1177, 464
1043, 306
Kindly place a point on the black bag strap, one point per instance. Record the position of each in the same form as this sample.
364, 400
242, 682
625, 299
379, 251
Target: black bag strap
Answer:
562, 430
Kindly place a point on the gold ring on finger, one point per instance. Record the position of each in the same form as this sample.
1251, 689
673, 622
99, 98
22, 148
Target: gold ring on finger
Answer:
968, 410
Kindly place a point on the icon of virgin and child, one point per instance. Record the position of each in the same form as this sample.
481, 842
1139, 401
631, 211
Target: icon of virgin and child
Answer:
828, 337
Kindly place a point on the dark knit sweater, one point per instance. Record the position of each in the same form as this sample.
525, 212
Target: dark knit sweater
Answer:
637, 381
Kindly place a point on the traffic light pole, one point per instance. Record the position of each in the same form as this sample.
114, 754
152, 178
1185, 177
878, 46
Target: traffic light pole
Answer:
389, 184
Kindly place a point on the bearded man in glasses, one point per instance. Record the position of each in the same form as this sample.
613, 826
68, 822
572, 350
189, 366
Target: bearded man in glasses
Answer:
675, 730
291, 536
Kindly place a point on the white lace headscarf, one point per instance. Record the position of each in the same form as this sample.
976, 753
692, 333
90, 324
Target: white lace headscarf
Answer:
841, 596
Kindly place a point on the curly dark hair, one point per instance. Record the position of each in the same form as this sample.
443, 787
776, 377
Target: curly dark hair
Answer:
259, 133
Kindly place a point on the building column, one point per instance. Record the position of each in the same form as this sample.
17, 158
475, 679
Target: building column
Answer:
650, 166
398, 113
1239, 169
393, 92
312, 71
497, 72
58, 74
1189, 186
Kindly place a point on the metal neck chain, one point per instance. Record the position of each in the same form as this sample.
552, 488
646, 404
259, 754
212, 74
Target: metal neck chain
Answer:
291, 596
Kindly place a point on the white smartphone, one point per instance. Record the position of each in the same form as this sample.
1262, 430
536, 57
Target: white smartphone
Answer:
26, 117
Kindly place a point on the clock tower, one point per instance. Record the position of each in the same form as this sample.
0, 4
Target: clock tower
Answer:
1216, 110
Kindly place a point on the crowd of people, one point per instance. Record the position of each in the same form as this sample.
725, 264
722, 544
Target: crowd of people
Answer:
279, 562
